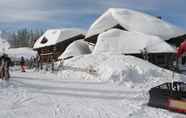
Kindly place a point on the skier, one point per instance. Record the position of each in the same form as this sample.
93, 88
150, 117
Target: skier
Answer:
22, 63
5, 62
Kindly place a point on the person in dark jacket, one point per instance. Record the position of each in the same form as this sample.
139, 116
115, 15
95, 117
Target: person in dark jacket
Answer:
22, 63
5, 62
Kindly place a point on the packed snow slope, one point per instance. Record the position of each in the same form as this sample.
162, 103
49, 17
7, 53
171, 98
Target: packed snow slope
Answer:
134, 21
125, 42
113, 67
89, 86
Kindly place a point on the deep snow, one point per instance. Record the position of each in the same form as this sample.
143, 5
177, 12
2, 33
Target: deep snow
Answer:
134, 21
98, 85
76, 48
125, 42
55, 36
89, 86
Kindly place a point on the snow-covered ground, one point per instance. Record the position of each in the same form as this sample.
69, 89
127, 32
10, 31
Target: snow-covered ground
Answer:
89, 86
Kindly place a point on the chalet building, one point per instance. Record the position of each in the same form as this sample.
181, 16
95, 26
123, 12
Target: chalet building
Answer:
147, 47
129, 20
54, 42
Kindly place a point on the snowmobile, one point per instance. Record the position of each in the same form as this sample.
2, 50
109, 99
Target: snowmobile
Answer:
170, 96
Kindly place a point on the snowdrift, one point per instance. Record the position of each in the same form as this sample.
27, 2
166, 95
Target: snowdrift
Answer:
57, 35
76, 48
134, 21
117, 87
116, 68
124, 42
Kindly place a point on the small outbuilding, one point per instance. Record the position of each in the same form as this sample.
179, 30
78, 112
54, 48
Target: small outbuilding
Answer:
54, 42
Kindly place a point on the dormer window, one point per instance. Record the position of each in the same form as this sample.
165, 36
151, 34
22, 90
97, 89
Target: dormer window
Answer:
44, 40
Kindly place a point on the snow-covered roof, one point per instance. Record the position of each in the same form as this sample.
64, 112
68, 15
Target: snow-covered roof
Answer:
134, 21
54, 36
76, 48
119, 41
19, 52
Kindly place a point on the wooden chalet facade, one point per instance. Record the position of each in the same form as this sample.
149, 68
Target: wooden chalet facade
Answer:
51, 53
93, 39
164, 60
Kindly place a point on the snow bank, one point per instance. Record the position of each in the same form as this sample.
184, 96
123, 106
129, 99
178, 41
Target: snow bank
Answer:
19, 52
54, 36
116, 68
120, 41
76, 48
123, 95
134, 21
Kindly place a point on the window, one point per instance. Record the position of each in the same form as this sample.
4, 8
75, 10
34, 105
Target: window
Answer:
44, 40
164, 86
160, 59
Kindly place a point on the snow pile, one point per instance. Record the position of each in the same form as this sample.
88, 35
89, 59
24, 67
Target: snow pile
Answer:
4, 45
134, 21
120, 41
19, 52
122, 92
76, 48
114, 67
54, 36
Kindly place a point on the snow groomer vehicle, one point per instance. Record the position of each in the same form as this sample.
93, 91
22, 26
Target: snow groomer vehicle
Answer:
170, 96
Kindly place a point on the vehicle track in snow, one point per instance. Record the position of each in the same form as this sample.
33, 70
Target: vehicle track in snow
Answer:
49, 97
74, 89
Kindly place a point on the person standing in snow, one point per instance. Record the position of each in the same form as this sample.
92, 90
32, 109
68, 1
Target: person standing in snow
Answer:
22, 63
38, 62
145, 54
5, 62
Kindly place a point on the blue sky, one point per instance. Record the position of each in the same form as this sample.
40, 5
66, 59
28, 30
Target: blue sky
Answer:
44, 14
